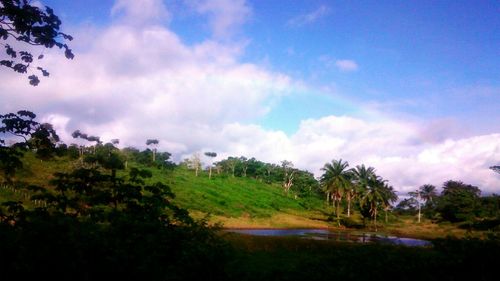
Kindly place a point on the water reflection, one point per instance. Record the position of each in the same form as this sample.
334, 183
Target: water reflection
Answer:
344, 236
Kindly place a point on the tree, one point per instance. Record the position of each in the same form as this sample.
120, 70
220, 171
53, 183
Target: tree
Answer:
153, 142
373, 196
407, 206
195, 162
428, 194
389, 197
23, 22
26, 134
336, 180
232, 162
458, 201
211, 155
416, 195
243, 163
495, 169
288, 171
361, 177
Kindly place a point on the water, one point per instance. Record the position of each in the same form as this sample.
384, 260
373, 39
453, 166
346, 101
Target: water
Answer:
345, 236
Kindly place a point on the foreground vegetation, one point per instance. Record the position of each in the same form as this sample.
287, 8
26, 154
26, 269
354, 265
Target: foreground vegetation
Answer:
265, 258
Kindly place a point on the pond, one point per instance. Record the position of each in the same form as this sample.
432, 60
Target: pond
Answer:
345, 236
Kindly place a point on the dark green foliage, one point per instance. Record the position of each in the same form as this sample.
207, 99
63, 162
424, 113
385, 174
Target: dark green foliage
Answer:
93, 223
26, 23
458, 201
265, 258
490, 206
27, 134
407, 207
73, 151
495, 168
304, 183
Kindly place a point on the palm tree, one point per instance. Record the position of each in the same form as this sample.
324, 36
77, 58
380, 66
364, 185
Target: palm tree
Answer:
336, 180
390, 197
416, 195
428, 192
361, 177
371, 188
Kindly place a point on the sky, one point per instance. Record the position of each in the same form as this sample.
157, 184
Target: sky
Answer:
409, 87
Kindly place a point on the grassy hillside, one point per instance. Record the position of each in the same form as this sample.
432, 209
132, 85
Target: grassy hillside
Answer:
233, 201
236, 201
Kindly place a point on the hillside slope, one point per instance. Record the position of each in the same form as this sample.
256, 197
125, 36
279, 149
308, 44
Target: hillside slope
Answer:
233, 201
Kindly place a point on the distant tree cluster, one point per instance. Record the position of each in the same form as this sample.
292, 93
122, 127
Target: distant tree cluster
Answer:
457, 202
361, 185
289, 178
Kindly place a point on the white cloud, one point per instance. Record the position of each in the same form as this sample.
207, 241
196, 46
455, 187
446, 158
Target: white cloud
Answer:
346, 65
395, 148
225, 16
311, 17
139, 83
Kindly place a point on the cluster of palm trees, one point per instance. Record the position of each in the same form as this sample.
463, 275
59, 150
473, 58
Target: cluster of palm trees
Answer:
359, 184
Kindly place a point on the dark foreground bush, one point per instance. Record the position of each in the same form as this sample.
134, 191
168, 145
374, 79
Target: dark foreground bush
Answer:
264, 258
70, 250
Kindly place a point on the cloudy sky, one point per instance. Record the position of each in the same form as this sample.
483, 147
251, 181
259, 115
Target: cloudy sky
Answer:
411, 88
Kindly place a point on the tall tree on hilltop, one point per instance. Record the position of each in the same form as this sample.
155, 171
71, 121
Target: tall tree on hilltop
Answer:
243, 163
24, 22
210, 155
195, 163
154, 143
288, 172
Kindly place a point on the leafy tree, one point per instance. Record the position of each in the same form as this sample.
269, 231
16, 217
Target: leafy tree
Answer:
242, 164
195, 163
210, 155
231, 163
287, 167
495, 169
305, 184
153, 142
27, 134
416, 195
26, 23
458, 201
389, 197
407, 206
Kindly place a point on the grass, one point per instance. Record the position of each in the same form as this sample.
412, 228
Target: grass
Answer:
244, 202
241, 202
285, 258
233, 201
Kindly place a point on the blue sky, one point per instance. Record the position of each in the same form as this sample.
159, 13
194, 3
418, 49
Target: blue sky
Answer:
390, 84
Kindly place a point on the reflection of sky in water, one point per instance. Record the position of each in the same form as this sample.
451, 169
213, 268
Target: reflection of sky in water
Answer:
323, 234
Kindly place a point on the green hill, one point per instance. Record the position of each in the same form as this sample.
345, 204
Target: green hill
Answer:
233, 201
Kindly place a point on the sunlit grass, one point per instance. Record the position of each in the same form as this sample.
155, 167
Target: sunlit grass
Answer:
245, 202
